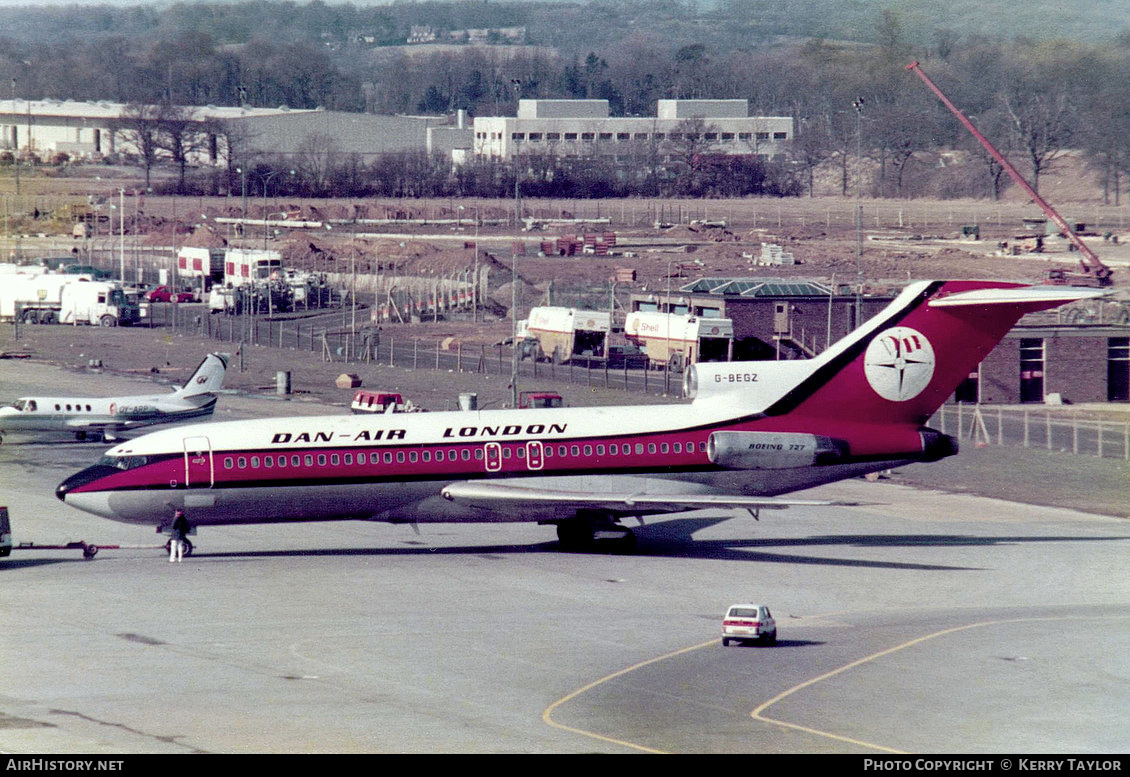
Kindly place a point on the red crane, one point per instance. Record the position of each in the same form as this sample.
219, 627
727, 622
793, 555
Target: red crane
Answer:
1092, 271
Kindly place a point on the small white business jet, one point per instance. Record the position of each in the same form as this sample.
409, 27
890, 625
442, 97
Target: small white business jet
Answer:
753, 431
102, 417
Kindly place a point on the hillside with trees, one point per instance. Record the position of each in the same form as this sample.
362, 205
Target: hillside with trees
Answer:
1038, 80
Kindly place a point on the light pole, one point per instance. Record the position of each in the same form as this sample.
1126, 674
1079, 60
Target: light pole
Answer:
15, 139
857, 104
122, 233
516, 85
243, 207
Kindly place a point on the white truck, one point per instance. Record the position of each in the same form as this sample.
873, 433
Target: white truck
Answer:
66, 299
673, 341
243, 267
202, 267
561, 334
247, 265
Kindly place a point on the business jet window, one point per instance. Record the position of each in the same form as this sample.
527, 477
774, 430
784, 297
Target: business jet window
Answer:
88, 408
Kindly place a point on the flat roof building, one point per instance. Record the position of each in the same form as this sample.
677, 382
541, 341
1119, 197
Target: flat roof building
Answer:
88, 129
585, 128
94, 129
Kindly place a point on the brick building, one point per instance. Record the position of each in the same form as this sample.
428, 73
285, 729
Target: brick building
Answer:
1042, 359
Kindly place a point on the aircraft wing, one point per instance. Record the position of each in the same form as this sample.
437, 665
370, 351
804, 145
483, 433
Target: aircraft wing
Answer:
494, 496
79, 424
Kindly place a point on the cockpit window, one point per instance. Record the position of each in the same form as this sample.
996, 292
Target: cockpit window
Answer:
27, 405
123, 462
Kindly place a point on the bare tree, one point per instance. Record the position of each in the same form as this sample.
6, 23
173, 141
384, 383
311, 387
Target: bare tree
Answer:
138, 128
1042, 124
183, 135
685, 145
811, 147
316, 159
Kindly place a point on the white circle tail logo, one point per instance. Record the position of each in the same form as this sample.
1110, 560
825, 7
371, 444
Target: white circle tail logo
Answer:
899, 363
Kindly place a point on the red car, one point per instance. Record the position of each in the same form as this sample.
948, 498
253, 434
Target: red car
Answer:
165, 294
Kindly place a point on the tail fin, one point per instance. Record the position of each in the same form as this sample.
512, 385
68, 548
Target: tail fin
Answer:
207, 379
900, 366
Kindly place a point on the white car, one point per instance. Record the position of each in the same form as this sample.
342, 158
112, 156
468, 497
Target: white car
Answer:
748, 622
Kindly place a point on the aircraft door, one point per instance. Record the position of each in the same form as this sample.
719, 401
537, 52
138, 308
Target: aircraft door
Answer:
198, 470
535, 456
493, 456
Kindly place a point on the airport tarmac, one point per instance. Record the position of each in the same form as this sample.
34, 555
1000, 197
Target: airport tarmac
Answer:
922, 622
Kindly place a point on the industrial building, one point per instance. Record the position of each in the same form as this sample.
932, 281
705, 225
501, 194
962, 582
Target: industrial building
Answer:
85, 130
585, 128
558, 127
94, 129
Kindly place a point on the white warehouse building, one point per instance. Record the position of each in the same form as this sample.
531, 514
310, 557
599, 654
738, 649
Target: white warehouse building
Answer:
584, 128
86, 129
93, 129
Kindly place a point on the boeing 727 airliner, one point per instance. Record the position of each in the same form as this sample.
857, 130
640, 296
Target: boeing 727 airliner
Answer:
753, 431
103, 416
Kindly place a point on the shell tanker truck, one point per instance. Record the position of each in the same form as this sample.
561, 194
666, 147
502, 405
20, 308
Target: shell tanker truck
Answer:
561, 334
65, 299
673, 341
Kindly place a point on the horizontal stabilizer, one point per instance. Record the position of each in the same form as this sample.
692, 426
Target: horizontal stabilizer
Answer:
1028, 296
486, 495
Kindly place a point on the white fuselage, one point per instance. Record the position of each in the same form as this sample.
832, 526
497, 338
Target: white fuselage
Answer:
100, 414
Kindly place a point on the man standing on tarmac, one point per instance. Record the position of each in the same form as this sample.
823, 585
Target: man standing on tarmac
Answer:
179, 537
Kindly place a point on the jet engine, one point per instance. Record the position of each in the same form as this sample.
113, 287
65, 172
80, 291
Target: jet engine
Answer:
773, 450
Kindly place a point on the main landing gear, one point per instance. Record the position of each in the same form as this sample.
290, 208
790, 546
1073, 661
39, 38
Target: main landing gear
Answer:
595, 532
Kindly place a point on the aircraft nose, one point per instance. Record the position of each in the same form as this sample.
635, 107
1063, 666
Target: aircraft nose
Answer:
81, 479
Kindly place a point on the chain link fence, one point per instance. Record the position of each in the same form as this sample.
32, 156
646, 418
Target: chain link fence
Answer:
335, 339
